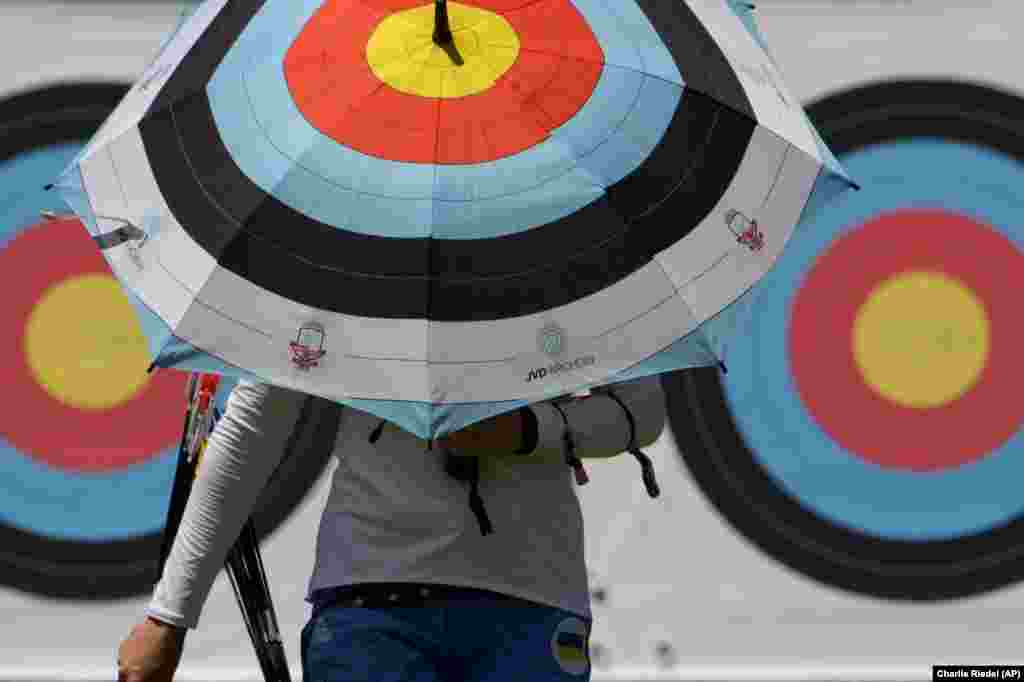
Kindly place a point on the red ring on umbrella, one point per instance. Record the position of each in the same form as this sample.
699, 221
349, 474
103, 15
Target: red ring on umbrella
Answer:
558, 67
826, 375
32, 420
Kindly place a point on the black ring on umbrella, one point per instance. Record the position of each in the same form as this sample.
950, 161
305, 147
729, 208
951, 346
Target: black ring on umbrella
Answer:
471, 280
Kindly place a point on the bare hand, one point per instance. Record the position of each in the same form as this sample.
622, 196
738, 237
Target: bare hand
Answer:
150, 653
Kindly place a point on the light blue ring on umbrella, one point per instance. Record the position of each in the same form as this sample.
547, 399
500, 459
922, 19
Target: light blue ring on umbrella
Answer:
396, 199
768, 411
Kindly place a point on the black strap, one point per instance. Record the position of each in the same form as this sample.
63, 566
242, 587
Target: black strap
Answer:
650, 482
462, 469
125, 233
476, 503
468, 469
570, 450
530, 431
375, 434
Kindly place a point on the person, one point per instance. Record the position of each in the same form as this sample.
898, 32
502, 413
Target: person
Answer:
407, 583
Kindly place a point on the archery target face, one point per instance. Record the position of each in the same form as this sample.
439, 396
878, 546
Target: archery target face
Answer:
868, 432
88, 440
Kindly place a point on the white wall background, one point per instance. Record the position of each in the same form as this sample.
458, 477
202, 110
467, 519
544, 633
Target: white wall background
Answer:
728, 612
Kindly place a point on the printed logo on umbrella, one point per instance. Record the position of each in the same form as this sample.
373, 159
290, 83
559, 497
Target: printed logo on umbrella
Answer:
552, 340
308, 347
745, 229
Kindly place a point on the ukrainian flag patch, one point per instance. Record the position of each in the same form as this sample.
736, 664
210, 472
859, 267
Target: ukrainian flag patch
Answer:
569, 646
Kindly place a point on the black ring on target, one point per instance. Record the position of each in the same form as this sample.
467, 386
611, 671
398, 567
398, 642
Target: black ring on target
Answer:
104, 568
739, 485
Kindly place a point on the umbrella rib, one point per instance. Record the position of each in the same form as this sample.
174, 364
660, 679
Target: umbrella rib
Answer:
262, 238
117, 174
682, 300
430, 239
638, 315
198, 180
196, 300
602, 334
683, 85
232, 219
433, 193
778, 174
432, 362
298, 163
210, 353
761, 125
400, 57
603, 63
149, 113
511, 358
193, 294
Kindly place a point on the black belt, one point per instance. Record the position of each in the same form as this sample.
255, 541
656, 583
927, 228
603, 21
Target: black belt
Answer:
385, 595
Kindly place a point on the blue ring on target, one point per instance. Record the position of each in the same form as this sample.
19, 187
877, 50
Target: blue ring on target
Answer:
64, 533
75, 506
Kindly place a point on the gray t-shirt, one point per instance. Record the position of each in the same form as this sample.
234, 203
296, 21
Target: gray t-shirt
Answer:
394, 515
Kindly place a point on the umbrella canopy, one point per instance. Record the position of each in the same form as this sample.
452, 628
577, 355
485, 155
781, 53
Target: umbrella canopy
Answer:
440, 212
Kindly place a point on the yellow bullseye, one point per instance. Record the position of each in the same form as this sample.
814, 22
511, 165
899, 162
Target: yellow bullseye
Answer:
83, 343
921, 339
401, 52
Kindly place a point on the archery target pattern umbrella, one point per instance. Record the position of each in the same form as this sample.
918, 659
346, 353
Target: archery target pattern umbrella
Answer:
568, 194
868, 433
86, 433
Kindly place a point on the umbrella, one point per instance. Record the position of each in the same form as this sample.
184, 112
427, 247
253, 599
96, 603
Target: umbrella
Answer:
437, 213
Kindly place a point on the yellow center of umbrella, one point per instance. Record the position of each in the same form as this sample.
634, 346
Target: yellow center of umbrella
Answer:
84, 345
921, 339
401, 52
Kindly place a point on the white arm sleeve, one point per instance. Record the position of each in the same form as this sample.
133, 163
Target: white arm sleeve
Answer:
599, 425
243, 451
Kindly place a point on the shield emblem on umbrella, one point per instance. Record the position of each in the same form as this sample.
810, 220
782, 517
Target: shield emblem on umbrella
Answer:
433, 187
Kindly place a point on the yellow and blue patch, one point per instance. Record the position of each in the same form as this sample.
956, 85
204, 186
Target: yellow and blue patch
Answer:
569, 646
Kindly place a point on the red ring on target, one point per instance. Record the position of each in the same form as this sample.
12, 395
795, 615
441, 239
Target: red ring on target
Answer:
827, 377
56, 434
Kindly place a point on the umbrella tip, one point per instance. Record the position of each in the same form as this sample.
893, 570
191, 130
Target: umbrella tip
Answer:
47, 188
152, 366
442, 25
856, 186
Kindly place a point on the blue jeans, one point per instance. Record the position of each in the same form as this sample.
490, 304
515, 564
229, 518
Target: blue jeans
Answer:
455, 642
